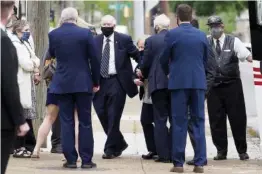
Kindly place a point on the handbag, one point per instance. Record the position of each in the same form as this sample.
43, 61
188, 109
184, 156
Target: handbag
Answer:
49, 69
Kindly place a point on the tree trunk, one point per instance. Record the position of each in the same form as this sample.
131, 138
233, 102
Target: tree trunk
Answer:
38, 17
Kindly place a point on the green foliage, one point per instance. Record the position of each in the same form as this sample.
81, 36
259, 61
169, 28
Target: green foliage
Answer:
227, 10
228, 19
207, 8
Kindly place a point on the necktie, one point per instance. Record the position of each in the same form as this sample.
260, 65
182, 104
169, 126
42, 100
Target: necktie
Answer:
105, 60
218, 48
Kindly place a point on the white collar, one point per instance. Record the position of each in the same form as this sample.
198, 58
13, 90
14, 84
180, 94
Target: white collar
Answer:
2, 26
221, 39
111, 37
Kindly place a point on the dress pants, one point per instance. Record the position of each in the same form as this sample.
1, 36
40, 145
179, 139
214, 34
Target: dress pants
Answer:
109, 104
228, 100
181, 99
28, 141
147, 120
7, 141
161, 102
67, 103
56, 134
190, 129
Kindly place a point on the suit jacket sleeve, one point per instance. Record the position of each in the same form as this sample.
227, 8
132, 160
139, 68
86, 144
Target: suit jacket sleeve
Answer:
166, 54
9, 86
93, 58
132, 50
210, 67
147, 59
51, 49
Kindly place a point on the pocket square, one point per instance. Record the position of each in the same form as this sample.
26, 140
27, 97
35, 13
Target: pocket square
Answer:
227, 50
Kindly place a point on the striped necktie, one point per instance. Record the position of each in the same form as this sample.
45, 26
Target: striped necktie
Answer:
105, 60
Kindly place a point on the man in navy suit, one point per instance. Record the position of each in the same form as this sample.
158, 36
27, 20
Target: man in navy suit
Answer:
152, 70
116, 81
187, 82
75, 79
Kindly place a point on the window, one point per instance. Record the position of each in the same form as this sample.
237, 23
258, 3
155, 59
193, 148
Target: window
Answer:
259, 12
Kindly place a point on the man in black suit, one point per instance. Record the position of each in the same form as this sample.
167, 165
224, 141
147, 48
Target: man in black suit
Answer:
11, 109
152, 70
116, 82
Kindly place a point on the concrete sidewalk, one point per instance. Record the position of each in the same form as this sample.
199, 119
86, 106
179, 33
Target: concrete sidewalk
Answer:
127, 164
131, 163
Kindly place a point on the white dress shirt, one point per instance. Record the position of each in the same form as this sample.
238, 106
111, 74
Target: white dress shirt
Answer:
239, 48
112, 65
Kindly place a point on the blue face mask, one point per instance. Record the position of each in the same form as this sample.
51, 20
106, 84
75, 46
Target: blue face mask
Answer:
25, 36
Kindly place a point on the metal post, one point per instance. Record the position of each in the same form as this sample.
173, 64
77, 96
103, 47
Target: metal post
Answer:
138, 19
117, 12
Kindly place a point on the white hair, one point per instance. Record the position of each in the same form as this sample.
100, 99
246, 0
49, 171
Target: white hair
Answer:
69, 14
108, 18
143, 38
162, 21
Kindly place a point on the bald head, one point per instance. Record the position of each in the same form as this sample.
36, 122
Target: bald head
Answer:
108, 21
108, 24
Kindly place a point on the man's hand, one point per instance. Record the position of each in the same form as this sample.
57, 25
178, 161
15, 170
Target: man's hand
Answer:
138, 82
37, 78
139, 73
96, 89
23, 129
250, 59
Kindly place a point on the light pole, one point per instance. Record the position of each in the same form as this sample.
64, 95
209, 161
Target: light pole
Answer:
139, 19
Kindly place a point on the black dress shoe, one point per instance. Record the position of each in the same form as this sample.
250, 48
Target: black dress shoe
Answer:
57, 149
70, 165
161, 160
108, 156
220, 156
192, 163
149, 156
117, 154
243, 156
89, 165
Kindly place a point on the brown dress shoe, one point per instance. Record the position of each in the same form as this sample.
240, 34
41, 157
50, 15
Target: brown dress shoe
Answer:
198, 169
177, 169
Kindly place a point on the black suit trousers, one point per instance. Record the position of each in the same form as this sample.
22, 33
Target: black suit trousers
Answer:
147, 120
228, 100
161, 102
109, 104
7, 141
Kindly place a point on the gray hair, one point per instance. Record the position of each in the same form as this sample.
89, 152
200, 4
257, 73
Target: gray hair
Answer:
143, 38
69, 14
109, 18
162, 21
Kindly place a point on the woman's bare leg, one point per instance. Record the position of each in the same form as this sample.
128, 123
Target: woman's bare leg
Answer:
76, 131
45, 127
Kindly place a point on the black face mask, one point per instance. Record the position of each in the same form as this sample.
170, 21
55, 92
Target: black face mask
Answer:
107, 31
